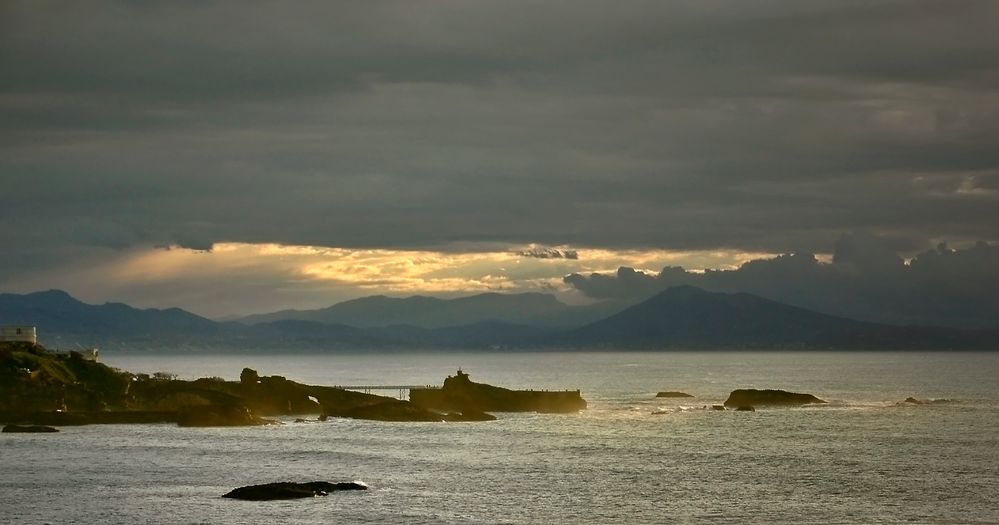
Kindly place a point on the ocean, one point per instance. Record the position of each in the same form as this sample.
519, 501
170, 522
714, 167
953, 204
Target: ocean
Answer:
864, 457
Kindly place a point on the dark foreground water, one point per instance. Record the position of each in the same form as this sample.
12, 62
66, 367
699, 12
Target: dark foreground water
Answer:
629, 458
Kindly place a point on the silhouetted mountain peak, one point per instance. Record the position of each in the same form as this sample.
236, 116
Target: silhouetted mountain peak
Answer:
427, 312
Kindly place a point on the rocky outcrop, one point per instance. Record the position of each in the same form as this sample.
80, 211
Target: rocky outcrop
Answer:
469, 415
751, 397
219, 416
673, 394
110, 417
392, 410
29, 428
915, 401
460, 394
43, 388
289, 490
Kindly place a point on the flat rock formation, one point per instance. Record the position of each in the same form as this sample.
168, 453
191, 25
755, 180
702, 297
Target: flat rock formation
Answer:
29, 429
391, 410
469, 415
112, 417
460, 394
220, 416
915, 401
671, 393
751, 397
289, 490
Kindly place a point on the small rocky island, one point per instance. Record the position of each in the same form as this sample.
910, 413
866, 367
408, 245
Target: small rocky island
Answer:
290, 490
673, 393
462, 394
751, 397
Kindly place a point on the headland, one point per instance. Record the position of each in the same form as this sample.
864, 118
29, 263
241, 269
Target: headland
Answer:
39, 387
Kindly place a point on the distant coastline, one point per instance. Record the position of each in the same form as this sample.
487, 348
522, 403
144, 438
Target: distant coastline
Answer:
679, 318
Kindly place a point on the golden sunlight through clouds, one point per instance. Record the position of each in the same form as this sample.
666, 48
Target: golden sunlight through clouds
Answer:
409, 271
240, 277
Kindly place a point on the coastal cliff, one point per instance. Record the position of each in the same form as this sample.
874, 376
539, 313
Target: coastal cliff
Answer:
42, 387
462, 394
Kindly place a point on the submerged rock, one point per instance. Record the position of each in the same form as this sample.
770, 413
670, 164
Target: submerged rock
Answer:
673, 394
392, 410
915, 401
290, 490
754, 397
469, 415
29, 428
219, 416
745, 408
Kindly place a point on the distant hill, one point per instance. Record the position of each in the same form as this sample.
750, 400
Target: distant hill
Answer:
63, 320
681, 317
430, 312
688, 317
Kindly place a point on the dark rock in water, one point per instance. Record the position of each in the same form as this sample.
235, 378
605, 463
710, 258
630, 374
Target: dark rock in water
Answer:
673, 394
745, 408
29, 428
469, 415
717, 407
753, 397
915, 401
219, 416
393, 410
289, 490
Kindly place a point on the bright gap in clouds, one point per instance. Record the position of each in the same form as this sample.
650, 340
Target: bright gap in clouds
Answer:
240, 278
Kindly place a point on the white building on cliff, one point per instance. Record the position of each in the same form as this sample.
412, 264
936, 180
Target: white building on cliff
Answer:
27, 334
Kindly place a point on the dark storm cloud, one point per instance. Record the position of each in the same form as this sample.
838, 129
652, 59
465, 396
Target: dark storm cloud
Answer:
683, 125
866, 280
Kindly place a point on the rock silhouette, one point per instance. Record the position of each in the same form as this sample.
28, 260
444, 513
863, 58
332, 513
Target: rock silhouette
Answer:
29, 428
671, 393
290, 490
751, 397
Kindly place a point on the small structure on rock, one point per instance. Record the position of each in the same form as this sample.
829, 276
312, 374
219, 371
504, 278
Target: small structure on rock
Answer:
461, 394
19, 334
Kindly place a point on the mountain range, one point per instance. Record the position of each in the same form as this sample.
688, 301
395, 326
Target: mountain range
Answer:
682, 317
533, 309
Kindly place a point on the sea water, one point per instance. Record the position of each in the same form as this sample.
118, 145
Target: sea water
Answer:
629, 458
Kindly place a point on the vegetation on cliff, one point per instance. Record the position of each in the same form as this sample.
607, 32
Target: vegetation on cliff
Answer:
50, 388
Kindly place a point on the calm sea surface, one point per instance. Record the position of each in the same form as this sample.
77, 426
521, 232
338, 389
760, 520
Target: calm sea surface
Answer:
629, 458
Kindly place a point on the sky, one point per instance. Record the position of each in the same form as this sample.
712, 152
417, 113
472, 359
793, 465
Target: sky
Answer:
243, 157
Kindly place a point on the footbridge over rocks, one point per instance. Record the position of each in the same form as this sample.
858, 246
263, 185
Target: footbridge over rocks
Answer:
403, 390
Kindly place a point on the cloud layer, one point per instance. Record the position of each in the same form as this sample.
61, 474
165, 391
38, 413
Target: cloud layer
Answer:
865, 280
462, 126
239, 278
